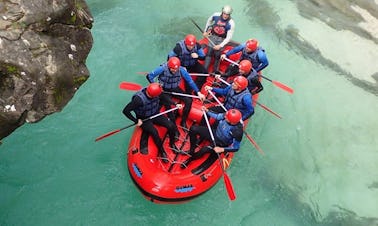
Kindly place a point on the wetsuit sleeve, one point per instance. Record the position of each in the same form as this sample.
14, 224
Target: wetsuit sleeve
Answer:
134, 104
153, 74
263, 60
188, 79
175, 52
209, 22
236, 49
200, 52
247, 100
222, 91
237, 134
217, 116
230, 33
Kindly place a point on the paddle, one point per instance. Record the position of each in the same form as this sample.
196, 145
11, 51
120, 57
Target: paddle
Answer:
200, 29
276, 83
130, 86
248, 136
135, 86
199, 74
226, 179
119, 130
261, 105
182, 94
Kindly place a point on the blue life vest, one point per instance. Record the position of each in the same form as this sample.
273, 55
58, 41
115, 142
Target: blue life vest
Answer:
235, 100
150, 105
223, 132
253, 57
169, 80
220, 26
186, 57
252, 76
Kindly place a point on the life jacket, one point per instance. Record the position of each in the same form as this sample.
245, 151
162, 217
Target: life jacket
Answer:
253, 57
169, 80
220, 26
235, 100
150, 105
223, 133
252, 77
185, 56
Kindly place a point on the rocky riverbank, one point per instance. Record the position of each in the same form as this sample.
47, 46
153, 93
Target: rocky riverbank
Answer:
44, 46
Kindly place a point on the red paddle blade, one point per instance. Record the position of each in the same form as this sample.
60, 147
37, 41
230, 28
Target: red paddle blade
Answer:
229, 187
284, 87
130, 86
107, 134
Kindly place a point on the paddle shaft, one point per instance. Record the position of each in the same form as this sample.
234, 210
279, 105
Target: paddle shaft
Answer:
248, 136
128, 126
276, 83
200, 29
182, 94
227, 180
261, 105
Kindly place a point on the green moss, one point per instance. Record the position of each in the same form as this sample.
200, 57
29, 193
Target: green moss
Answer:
11, 69
58, 96
19, 25
73, 19
79, 80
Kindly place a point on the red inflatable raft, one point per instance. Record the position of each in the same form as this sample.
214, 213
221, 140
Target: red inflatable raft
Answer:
162, 182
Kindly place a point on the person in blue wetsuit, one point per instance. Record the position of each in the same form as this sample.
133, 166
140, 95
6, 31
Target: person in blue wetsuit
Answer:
227, 134
145, 103
169, 76
189, 51
250, 51
219, 29
236, 95
246, 70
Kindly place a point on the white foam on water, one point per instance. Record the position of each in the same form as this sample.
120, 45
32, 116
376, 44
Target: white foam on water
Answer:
351, 52
371, 22
335, 167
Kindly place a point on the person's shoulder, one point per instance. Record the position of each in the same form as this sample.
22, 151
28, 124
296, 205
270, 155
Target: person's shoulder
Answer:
216, 14
183, 70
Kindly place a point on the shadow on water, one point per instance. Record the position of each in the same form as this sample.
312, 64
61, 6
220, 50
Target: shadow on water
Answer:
306, 214
339, 15
265, 16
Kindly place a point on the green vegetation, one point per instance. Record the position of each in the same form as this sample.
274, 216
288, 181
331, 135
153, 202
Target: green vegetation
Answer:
11, 69
79, 80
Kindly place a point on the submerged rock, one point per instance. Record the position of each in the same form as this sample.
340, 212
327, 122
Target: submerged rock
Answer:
44, 46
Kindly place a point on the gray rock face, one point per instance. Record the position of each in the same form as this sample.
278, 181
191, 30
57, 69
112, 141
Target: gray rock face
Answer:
43, 48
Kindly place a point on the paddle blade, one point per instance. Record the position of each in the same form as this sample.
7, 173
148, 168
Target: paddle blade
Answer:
254, 143
107, 134
130, 86
284, 87
229, 187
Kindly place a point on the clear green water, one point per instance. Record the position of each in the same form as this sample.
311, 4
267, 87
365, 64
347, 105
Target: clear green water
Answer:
320, 163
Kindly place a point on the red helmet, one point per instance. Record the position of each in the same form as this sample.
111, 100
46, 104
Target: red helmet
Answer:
174, 63
154, 90
245, 65
190, 40
233, 116
241, 82
252, 44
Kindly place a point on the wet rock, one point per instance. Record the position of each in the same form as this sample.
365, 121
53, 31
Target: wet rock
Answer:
44, 46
